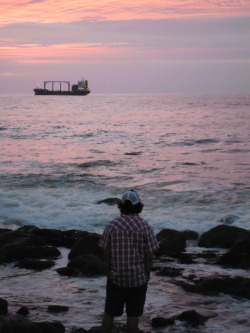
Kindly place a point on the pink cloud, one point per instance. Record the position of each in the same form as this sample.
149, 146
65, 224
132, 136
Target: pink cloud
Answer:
66, 11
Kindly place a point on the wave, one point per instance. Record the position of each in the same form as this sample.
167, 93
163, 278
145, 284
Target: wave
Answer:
96, 163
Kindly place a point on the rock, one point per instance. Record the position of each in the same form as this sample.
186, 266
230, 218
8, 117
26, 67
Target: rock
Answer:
234, 286
20, 250
18, 324
57, 308
239, 254
35, 264
191, 235
162, 322
222, 236
89, 265
171, 241
78, 330
23, 311
110, 201
192, 317
66, 271
169, 271
47, 327
3, 306
86, 245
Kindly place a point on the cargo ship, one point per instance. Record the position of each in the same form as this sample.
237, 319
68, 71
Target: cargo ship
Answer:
80, 89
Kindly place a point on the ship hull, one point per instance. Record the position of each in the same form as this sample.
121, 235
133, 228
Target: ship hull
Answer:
61, 92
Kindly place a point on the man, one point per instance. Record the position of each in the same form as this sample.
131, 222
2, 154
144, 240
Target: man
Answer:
129, 243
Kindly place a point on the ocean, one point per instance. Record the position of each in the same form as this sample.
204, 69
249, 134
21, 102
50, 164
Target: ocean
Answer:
187, 156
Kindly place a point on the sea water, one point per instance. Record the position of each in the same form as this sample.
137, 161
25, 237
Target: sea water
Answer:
187, 156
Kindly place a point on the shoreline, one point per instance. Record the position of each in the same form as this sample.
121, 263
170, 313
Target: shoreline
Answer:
31, 249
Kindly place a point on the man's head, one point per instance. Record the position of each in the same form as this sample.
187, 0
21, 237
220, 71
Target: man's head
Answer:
131, 203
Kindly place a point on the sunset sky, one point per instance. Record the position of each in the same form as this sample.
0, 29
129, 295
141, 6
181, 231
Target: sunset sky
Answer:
126, 46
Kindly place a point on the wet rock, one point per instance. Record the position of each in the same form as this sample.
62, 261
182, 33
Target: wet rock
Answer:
35, 264
234, 286
222, 236
3, 306
19, 250
110, 201
238, 256
162, 322
86, 245
57, 308
191, 235
78, 330
47, 327
23, 311
192, 317
89, 265
67, 271
171, 241
17, 324
170, 271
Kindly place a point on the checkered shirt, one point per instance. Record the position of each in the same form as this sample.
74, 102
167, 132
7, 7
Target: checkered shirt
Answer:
128, 238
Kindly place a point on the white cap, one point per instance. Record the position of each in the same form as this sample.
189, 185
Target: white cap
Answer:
131, 196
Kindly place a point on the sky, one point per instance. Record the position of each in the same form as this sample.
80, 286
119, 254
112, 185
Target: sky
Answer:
126, 46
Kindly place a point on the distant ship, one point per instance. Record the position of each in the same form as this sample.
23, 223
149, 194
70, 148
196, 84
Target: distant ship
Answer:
80, 89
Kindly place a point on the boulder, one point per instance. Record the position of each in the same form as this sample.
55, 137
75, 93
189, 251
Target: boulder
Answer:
35, 264
86, 245
18, 324
192, 317
110, 201
222, 236
162, 322
89, 265
47, 327
58, 308
3, 306
171, 241
67, 271
235, 286
23, 311
19, 250
239, 254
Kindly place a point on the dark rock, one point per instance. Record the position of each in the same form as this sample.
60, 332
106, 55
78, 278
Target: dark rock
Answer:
23, 311
192, 317
169, 271
191, 235
20, 250
47, 327
86, 245
162, 322
3, 306
234, 286
89, 265
4, 230
238, 256
110, 201
79, 330
66, 271
57, 308
171, 241
222, 236
35, 264
18, 324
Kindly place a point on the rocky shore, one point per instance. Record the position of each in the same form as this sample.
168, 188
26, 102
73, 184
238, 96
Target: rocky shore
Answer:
36, 249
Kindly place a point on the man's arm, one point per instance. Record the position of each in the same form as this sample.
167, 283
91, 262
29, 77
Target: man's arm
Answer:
106, 258
149, 263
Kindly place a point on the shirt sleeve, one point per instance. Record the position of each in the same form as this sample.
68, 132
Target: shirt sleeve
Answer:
151, 241
104, 239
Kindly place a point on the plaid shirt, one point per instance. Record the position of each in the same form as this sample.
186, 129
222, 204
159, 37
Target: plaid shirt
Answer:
128, 238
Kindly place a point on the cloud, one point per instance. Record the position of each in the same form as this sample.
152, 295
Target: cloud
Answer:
66, 11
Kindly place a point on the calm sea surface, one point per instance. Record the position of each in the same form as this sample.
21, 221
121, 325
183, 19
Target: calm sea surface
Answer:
187, 155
